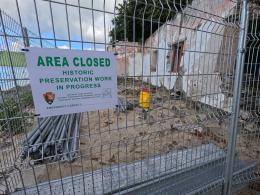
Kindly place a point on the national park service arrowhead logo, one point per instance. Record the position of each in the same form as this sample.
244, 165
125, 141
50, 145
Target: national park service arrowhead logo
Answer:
49, 97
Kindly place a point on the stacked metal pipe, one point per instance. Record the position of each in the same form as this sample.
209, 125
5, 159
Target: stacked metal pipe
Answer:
124, 105
54, 138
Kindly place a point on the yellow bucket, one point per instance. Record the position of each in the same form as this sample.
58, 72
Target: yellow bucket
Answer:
145, 98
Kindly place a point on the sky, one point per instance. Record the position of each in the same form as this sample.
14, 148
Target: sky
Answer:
95, 23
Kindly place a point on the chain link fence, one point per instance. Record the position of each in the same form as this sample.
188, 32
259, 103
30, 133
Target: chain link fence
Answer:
198, 61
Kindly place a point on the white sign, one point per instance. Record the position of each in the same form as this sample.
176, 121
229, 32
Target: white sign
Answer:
71, 81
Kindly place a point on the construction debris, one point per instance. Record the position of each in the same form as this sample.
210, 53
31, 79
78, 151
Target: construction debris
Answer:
54, 138
124, 105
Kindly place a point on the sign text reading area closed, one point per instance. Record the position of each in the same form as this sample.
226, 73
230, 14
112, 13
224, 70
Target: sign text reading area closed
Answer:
70, 81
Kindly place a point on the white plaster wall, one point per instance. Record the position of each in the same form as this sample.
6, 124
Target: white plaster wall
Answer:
163, 76
140, 66
200, 40
135, 67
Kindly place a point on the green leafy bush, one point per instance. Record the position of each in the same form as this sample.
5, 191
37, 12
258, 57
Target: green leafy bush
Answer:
26, 98
10, 113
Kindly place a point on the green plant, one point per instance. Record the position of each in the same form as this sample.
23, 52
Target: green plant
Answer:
10, 112
155, 14
26, 98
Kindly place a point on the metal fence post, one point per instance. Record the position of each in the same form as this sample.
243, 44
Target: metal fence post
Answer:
25, 37
236, 99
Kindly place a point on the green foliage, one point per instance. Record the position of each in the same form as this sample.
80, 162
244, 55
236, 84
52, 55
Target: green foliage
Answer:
26, 98
9, 109
10, 112
137, 20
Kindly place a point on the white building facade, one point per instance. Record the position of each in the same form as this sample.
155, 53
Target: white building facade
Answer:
194, 53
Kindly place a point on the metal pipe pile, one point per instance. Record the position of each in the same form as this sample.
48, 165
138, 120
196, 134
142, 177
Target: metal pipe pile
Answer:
124, 105
55, 138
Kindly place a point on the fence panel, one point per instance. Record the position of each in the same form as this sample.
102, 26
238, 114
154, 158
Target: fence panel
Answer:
182, 53
248, 125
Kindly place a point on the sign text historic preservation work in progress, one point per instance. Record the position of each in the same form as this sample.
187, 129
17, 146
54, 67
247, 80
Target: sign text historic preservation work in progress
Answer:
71, 81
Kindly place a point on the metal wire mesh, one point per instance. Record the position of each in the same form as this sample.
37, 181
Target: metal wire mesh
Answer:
249, 119
183, 52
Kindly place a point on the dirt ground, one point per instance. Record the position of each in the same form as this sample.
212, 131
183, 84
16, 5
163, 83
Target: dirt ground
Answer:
105, 140
108, 137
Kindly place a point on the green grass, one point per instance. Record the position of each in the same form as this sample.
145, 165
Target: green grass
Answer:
17, 59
